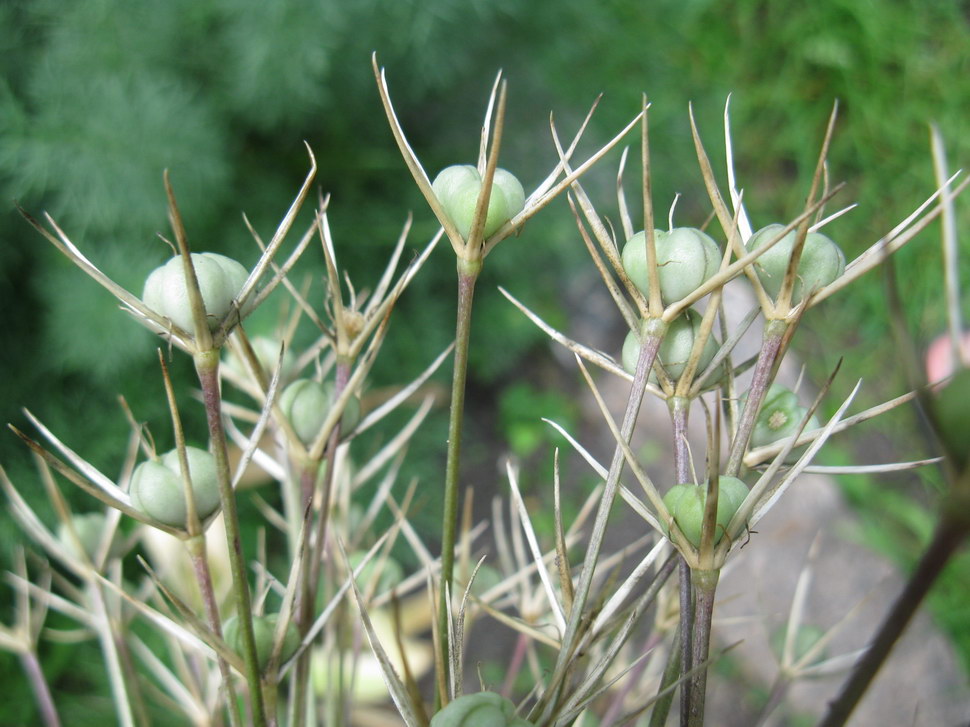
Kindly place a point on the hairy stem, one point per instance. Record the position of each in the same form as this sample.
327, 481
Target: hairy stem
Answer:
950, 534
207, 368
705, 587
770, 346
467, 276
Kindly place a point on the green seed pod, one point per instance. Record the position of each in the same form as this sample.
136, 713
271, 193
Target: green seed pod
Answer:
157, 489
674, 348
89, 527
778, 419
484, 709
267, 352
391, 571
220, 280
457, 188
821, 262
686, 258
263, 628
686, 503
306, 404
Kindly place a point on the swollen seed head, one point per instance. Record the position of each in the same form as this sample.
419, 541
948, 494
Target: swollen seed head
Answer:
220, 280
778, 419
675, 347
484, 709
457, 188
686, 503
686, 258
263, 629
821, 262
306, 403
157, 489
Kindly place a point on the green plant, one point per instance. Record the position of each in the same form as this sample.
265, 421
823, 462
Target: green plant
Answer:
308, 549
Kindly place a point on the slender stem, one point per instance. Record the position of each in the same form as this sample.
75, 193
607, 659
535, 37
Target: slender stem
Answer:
705, 587
42, 692
950, 534
679, 407
770, 346
207, 368
777, 693
467, 276
200, 563
515, 664
661, 708
686, 640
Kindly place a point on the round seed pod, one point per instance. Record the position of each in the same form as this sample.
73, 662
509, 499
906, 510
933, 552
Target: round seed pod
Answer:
220, 280
484, 709
306, 403
686, 503
686, 258
779, 418
263, 629
457, 188
675, 347
157, 489
821, 262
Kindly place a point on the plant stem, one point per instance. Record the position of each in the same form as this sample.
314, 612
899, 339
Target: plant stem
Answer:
705, 587
200, 563
777, 693
42, 692
770, 346
679, 407
949, 535
686, 639
207, 368
467, 276
661, 708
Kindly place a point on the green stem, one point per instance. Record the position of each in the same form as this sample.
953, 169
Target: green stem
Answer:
761, 380
467, 276
207, 368
705, 588
950, 534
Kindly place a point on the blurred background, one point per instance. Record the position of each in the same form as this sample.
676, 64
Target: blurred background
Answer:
98, 98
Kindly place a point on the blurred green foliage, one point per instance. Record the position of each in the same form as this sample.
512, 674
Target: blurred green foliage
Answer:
97, 98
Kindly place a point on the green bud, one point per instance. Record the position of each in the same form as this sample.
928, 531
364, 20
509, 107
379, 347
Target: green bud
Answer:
157, 489
686, 258
306, 403
263, 629
674, 348
484, 709
821, 262
220, 280
457, 188
686, 504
